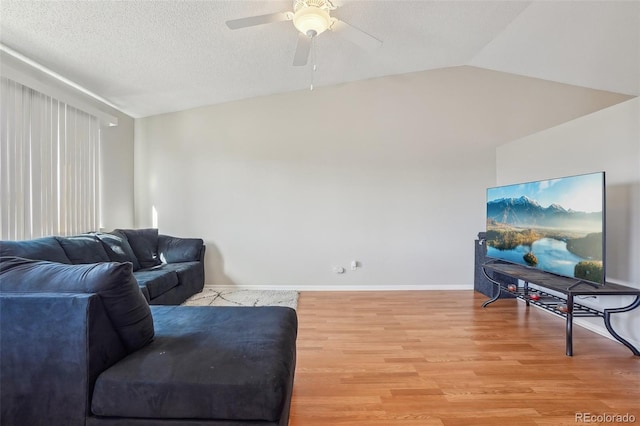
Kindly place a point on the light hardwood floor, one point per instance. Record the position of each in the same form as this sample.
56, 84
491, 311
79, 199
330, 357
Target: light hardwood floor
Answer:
437, 358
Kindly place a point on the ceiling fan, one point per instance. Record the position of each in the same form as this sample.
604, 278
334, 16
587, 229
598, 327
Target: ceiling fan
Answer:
311, 18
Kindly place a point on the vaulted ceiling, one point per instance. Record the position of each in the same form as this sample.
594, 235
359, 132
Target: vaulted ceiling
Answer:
152, 57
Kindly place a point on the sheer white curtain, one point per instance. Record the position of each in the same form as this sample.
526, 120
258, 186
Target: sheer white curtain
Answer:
49, 165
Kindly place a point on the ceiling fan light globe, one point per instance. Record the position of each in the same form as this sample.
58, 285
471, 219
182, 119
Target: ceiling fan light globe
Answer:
311, 19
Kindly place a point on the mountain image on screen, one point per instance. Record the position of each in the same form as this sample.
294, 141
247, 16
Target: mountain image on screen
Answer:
526, 212
554, 225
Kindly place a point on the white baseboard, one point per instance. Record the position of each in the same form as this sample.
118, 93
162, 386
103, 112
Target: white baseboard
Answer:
336, 287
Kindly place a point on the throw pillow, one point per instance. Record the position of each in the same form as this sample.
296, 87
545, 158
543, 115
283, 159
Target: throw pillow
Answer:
144, 243
118, 249
114, 282
83, 249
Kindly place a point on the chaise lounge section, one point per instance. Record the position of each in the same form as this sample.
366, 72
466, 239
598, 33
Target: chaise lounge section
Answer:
79, 345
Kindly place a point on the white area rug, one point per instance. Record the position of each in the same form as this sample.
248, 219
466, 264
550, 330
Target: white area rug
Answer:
213, 297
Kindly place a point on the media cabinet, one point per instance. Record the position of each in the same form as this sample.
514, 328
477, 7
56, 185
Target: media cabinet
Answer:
557, 294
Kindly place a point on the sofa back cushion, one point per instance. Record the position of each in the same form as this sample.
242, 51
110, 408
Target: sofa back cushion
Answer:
173, 250
118, 249
83, 249
144, 243
113, 282
46, 248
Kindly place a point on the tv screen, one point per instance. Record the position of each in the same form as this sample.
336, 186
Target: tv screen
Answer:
555, 225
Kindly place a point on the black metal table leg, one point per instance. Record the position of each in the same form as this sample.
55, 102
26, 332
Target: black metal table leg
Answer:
607, 323
569, 335
496, 283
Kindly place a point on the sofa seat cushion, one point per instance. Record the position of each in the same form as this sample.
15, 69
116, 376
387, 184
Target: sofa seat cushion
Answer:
156, 280
186, 271
232, 363
46, 248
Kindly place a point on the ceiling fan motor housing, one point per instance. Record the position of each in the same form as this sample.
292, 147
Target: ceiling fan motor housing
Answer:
311, 17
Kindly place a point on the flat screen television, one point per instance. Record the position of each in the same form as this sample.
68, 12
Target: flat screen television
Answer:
555, 225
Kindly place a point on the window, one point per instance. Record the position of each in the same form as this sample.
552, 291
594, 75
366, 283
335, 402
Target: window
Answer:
49, 165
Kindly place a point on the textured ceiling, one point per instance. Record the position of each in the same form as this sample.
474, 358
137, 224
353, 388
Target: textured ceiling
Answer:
151, 57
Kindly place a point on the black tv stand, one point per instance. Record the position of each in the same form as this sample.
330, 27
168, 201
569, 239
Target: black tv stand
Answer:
556, 294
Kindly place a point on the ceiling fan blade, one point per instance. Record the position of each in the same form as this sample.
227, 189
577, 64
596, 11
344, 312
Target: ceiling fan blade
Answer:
356, 35
302, 50
251, 21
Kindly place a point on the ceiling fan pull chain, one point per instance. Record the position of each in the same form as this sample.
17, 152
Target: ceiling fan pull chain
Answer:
313, 61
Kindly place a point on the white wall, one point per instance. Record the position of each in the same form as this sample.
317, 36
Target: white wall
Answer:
607, 140
117, 186
281, 207
390, 172
116, 142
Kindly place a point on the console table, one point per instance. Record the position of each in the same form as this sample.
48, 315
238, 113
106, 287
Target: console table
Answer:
564, 303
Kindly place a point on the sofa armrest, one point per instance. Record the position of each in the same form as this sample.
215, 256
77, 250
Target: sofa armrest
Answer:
175, 249
52, 348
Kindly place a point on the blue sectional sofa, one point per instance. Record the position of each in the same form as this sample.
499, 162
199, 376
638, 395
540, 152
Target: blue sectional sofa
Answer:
168, 269
80, 345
